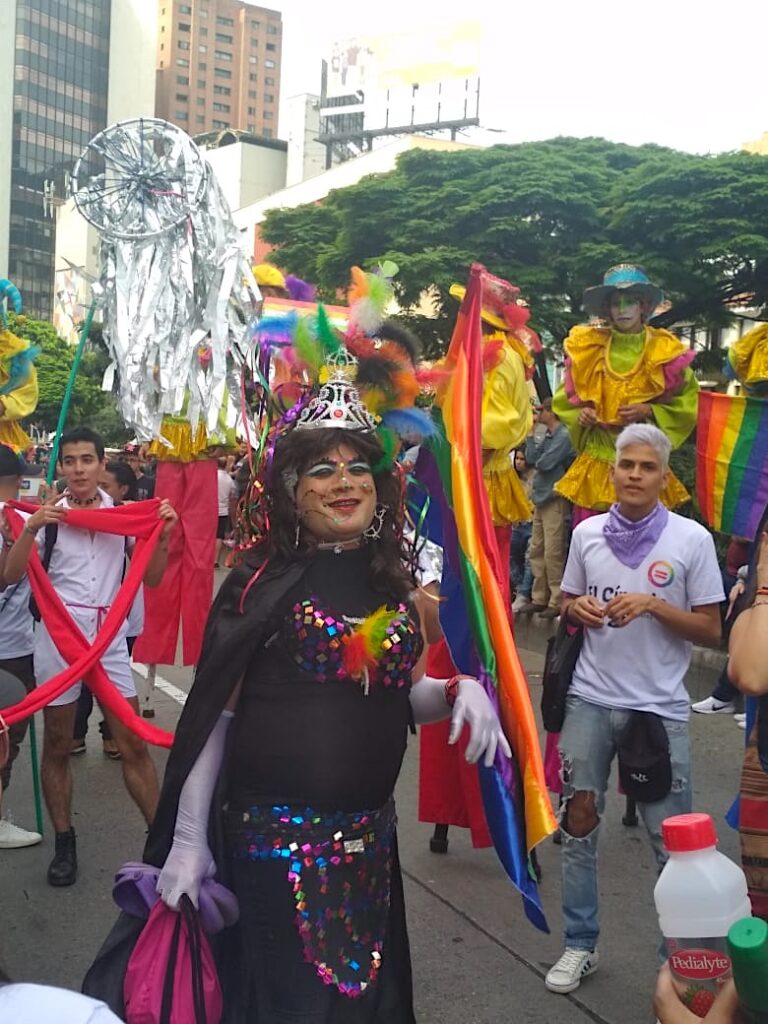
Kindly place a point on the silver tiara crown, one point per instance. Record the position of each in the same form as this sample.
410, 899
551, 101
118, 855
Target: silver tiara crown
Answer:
338, 403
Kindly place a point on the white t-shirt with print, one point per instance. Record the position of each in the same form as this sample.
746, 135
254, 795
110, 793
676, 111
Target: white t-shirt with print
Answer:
641, 665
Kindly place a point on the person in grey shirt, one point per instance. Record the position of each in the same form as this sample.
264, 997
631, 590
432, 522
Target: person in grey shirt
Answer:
551, 454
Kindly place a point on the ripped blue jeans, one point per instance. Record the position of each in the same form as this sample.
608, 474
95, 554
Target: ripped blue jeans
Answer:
587, 748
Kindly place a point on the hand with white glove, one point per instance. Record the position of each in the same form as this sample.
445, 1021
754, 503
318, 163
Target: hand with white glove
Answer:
190, 860
472, 707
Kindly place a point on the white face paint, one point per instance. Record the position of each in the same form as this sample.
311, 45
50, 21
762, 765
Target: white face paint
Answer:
626, 312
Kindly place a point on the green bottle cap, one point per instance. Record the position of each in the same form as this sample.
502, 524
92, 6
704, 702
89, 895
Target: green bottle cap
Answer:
748, 949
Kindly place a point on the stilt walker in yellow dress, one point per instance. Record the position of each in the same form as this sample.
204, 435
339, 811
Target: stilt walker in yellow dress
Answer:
622, 373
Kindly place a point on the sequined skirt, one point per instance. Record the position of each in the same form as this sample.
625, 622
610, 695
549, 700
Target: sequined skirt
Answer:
339, 867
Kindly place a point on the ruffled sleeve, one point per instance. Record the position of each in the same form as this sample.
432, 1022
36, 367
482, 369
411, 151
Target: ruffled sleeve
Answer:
676, 415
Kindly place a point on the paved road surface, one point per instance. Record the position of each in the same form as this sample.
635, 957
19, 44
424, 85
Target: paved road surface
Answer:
476, 958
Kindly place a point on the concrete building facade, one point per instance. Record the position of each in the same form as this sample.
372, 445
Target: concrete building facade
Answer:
300, 127
78, 64
218, 65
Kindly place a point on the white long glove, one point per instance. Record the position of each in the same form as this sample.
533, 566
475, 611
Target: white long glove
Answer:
190, 859
472, 707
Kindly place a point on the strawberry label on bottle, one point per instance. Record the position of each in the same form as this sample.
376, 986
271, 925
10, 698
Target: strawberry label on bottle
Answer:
699, 968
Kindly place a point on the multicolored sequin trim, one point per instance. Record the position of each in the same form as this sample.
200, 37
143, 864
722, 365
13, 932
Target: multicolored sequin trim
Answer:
339, 867
317, 639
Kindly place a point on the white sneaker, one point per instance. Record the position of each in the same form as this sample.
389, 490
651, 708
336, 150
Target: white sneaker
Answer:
572, 966
14, 838
520, 602
713, 706
740, 719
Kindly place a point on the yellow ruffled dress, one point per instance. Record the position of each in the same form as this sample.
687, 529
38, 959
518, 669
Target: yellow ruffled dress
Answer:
609, 369
186, 446
20, 402
749, 359
507, 418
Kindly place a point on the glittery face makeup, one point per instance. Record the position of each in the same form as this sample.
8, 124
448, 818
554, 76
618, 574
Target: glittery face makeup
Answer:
626, 312
336, 496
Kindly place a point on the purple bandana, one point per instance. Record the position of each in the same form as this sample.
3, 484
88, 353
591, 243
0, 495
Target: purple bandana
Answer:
632, 541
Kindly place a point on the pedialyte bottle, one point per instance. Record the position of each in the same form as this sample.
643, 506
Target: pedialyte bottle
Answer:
699, 895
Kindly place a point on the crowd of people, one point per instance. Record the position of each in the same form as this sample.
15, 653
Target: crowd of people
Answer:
323, 647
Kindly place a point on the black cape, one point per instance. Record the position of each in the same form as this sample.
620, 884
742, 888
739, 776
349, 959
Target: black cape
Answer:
231, 638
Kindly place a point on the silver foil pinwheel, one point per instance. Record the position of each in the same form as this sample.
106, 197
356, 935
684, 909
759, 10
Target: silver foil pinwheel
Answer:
179, 293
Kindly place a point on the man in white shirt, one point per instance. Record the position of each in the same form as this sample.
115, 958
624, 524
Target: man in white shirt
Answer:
86, 569
16, 645
645, 585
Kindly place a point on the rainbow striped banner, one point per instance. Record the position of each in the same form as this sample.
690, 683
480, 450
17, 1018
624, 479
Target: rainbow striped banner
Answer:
732, 462
277, 309
474, 615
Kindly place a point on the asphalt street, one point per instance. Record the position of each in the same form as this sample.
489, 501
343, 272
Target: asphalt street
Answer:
476, 958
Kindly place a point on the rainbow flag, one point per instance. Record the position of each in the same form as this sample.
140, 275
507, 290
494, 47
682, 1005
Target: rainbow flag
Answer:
474, 615
287, 309
732, 462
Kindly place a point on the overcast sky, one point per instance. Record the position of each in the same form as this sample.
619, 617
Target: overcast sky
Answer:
682, 73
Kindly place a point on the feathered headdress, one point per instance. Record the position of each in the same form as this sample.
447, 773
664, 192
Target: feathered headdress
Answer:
312, 375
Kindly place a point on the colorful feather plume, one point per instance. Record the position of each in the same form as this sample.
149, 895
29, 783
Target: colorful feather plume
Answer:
362, 650
369, 296
326, 335
307, 346
516, 316
492, 352
409, 423
300, 291
278, 328
432, 378
389, 443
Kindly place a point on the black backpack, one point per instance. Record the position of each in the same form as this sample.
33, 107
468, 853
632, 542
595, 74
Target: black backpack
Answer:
51, 533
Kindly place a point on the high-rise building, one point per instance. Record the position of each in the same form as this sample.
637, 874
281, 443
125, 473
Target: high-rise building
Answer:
218, 65
78, 65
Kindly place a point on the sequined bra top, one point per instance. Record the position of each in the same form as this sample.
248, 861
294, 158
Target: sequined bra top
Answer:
315, 639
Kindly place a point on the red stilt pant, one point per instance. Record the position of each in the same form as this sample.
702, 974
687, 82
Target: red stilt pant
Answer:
185, 594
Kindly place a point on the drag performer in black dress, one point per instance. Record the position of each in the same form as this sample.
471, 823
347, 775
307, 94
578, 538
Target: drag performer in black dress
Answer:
281, 776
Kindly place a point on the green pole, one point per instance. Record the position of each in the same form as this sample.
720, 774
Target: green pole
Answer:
86, 330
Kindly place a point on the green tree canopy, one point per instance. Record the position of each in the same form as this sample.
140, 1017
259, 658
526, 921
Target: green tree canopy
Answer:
551, 217
90, 405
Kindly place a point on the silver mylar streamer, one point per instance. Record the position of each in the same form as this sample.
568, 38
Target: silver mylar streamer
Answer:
179, 293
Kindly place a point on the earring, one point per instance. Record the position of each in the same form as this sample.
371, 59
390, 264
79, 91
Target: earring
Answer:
297, 538
373, 532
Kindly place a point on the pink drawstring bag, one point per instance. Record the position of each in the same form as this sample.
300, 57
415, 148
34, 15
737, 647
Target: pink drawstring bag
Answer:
171, 976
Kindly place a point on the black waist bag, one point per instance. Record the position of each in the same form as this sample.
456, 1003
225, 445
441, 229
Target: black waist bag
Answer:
563, 651
645, 769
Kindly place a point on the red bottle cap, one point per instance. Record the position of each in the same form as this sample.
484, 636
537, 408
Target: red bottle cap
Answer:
687, 832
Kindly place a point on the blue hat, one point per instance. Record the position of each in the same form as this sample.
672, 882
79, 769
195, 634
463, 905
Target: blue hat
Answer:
622, 277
